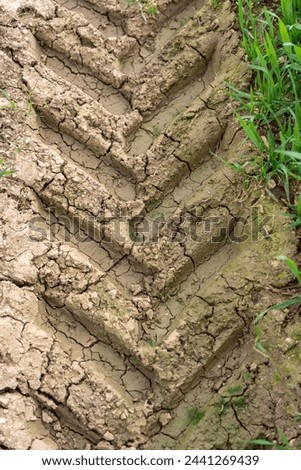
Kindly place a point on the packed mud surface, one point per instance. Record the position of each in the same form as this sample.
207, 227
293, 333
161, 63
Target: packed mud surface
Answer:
133, 261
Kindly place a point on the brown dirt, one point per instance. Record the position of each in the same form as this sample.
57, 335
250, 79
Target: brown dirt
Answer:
132, 260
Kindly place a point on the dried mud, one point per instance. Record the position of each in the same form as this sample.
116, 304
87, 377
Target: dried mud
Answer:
133, 261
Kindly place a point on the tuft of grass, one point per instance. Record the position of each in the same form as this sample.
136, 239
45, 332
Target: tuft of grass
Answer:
156, 131
13, 106
270, 112
287, 303
258, 343
221, 406
240, 402
11, 103
18, 149
147, 7
152, 342
195, 415
5, 171
29, 102
296, 214
233, 391
284, 443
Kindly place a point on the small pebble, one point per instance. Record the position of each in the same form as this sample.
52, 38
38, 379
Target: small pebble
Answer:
271, 184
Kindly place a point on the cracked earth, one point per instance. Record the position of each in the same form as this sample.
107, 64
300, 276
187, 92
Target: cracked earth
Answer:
133, 261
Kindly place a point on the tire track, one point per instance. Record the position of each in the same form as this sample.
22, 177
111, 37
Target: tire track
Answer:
139, 315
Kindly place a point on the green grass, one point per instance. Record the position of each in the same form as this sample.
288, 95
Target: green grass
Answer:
5, 171
156, 131
147, 7
233, 391
195, 415
287, 303
295, 215
284, 442
270, 111
259, 342
13, 106
152, 342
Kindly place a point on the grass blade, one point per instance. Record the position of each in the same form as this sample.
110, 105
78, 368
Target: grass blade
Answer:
281, 305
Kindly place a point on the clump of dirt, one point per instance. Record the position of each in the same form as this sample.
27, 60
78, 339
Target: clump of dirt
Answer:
133, 261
